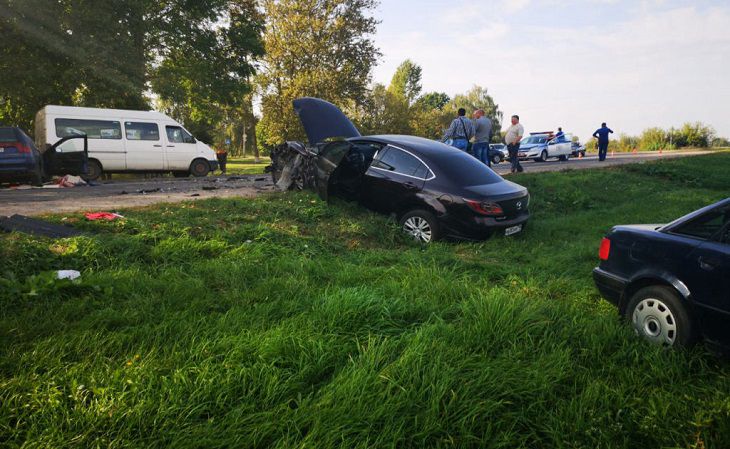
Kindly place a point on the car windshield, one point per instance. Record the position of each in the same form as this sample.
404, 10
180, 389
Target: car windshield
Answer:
463, 169
7, 135
534, 139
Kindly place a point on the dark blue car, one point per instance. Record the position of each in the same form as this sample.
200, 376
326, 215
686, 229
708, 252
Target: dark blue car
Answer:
672, 282
20, 160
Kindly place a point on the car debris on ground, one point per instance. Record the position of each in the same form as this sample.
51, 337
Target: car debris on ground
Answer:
27, 225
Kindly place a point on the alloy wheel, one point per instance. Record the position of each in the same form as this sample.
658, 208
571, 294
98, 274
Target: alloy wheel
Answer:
419, 228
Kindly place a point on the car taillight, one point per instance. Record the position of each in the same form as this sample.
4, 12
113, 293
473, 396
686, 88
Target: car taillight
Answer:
605, 249
22, 148
485, 207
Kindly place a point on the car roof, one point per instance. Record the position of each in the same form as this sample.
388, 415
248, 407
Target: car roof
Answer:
428, 149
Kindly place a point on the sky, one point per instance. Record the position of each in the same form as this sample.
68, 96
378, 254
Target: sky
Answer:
570, 63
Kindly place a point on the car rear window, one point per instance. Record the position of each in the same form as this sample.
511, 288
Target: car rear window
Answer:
707, 225
8, 135
465, 170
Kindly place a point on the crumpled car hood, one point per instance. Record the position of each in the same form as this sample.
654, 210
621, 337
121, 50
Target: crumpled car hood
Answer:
322, 120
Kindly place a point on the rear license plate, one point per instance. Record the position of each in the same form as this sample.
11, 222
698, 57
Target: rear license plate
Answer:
513, 230
521, 154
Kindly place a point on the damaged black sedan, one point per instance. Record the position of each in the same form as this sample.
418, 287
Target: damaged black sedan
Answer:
434, 190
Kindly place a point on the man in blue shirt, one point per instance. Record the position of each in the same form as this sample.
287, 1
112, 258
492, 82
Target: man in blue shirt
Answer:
560, 136
460, 131
602, 135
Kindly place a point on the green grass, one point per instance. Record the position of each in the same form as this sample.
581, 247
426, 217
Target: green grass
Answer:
247, 165
286, 322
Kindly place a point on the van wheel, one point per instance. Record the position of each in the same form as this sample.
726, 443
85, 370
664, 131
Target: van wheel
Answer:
199, 168
421, 225
93, 171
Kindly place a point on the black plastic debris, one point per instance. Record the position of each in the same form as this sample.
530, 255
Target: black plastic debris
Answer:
27, 225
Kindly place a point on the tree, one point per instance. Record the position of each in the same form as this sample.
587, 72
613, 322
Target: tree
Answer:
433, 100
406, 82
203, 80
196, 55
383, 112
319, 48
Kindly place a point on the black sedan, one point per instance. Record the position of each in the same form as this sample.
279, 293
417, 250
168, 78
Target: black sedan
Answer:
433, 189
672, 281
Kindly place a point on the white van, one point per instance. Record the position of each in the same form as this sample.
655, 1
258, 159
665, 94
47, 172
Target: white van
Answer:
126, 141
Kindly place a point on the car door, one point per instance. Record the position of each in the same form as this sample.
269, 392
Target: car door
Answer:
180, 148
144, 145
393, 180
328, 160
68, 156
707, 272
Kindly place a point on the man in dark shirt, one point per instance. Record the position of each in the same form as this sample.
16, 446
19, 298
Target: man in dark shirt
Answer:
602, 135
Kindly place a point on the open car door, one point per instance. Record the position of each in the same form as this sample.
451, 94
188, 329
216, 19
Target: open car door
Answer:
67, 158
328, 160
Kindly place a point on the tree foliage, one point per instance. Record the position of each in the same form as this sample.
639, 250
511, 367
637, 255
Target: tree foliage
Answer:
194, 55
318, 48
406, 82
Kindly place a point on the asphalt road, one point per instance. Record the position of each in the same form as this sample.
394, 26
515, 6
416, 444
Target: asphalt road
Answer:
109, 196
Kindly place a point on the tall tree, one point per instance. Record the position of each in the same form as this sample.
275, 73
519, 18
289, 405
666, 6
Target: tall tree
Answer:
319, 48
406, 81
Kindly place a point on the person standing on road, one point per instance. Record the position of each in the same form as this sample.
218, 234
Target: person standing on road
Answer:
512, 138
482, 136
602, 135
222, 155
460, 131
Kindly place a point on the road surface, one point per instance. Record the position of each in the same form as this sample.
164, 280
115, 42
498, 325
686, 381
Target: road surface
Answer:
109, 196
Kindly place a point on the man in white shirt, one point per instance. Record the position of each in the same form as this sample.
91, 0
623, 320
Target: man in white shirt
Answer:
512, 138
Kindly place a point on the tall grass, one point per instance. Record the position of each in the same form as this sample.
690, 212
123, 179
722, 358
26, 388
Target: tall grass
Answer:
286, 322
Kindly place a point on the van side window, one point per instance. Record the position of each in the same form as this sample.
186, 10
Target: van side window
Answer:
94, 129
141, 131
176, 134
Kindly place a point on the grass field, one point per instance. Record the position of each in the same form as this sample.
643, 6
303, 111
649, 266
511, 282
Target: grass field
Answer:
246, 166
287, 322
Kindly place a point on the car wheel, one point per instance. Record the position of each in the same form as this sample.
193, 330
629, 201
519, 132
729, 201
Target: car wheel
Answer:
543, 156
93, 171
421, 225
199, 168
563, 157
496, 159
657, 314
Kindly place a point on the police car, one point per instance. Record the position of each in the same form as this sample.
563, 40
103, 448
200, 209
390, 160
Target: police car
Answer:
541, 146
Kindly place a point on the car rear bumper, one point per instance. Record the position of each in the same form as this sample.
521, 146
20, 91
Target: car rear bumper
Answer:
479, 228
609, 285
10, 170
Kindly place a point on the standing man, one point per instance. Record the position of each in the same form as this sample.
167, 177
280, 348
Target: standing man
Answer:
512, 138
559, 134
460, 131
482, 136
602, 135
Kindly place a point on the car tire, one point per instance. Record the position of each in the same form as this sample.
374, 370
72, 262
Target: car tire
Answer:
199, 168
564, 157
496, 159
658, 315
421, 225
543, 156
93, 171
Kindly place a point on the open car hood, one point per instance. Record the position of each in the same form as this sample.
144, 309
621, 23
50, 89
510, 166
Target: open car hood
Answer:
323, 120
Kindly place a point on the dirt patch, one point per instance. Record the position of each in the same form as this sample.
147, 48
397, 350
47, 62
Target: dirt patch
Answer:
113, 195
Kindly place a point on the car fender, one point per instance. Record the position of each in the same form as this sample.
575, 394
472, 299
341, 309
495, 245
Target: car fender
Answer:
428, 202
652, 276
